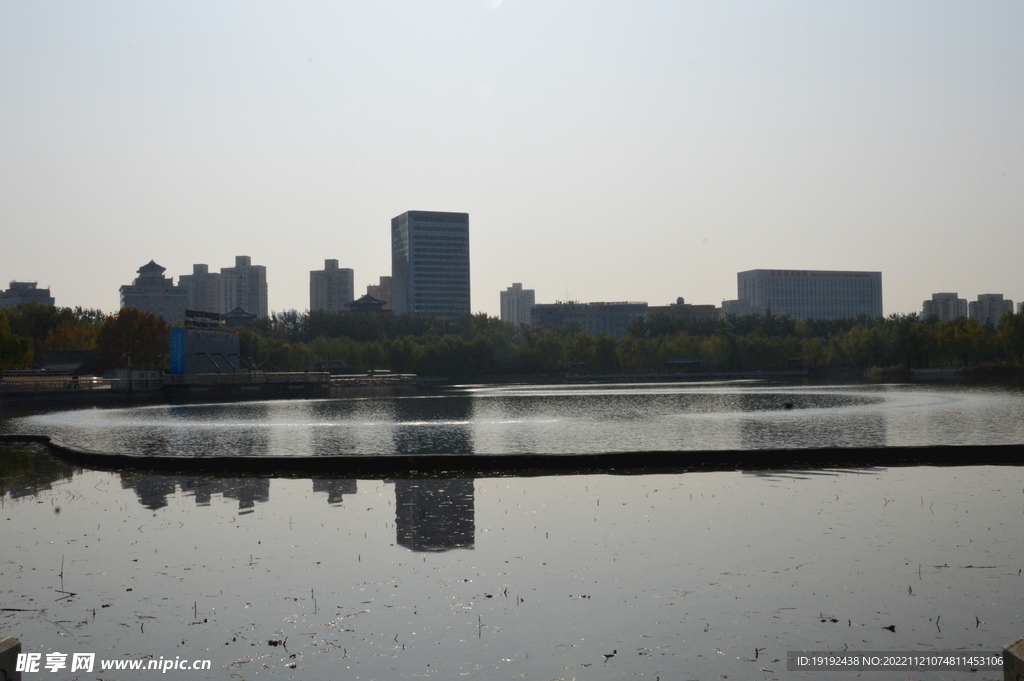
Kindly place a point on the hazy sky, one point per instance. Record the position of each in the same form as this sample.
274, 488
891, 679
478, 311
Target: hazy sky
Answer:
604, 150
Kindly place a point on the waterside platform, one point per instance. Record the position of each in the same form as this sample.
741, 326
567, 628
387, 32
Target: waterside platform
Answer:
534, 464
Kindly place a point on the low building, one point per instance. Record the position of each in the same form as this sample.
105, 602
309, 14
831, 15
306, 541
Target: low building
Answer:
24, 292
810, 294
945, 307
516, 303
683, 310
591, 318
152, 292
989, 308
367, 305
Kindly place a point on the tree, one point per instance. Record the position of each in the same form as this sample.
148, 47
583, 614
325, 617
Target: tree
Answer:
141, 337
1011, 335
71, 336
15, 351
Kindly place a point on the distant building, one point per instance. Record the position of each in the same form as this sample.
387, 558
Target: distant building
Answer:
238, 317
330, 289
367, 305
945, 307
153, 292
381, 291
592, 318
430, 264
23, 292
516, 303
204, 289
989, 308
809, 294
244, 286
683, 310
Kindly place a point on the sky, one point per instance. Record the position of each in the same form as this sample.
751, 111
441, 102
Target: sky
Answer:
605, 150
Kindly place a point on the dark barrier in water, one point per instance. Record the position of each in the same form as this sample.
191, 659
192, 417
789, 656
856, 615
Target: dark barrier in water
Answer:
491, 465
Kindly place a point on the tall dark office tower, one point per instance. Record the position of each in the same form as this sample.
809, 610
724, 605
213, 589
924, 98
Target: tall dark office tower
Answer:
430, 263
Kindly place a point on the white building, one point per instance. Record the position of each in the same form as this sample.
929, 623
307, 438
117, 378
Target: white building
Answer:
330, 289
204, 289
989, 308
808, 294
516, 303
945, 307
244, 286
24, 292
153, 292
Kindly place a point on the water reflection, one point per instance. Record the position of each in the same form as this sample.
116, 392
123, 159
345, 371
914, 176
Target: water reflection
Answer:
26, 471
433, 425
435, 515
335, 489
153, 490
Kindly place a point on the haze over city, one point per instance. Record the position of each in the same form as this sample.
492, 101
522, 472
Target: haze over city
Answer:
604, 151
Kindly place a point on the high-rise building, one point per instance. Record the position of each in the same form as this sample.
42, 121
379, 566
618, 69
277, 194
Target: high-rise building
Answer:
244, 286
381, 291
204, 289
152, 292
945, 307
516, 303
24, 292
330, 289
808, 294
989, 308
430, 264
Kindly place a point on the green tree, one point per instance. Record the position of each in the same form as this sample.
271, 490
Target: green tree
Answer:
141, 336
15, 351
1011, 335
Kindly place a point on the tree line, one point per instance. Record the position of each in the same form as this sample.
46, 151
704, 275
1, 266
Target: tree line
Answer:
483, 346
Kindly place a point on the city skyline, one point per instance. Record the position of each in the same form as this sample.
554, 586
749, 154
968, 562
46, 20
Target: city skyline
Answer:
606, 151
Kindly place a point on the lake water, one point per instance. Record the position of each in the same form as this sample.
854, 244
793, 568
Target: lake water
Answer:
687, 576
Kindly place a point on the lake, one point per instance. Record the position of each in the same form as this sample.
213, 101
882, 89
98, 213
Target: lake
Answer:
696, 575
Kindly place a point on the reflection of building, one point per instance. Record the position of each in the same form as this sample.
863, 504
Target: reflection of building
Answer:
435, 515
24, 292
335, 489
330, 289
945, 307
808, 294
244, 286
592, 318
989, 308
153, 490
430, 264
153, 292
516, 303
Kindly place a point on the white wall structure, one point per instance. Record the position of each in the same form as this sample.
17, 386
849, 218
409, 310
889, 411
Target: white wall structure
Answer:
153, 292
24, 292
330, 289
989, 308
945, 307
516, 303
810, 294
204, 289
244, 286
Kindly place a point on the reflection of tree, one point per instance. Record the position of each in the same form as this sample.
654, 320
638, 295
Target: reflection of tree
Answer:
28, 470
335, 489
153, 490
435, 515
